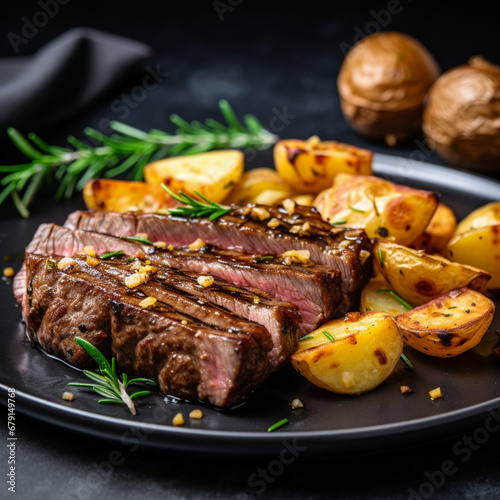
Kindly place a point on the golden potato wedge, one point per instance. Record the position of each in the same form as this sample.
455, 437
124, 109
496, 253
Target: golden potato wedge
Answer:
304, 199
479, 247
310, 166
487, 215
212, 174
449, 325
262, 186
438, 232
382, 208
419, 277
125, 196
350, 355
375, 298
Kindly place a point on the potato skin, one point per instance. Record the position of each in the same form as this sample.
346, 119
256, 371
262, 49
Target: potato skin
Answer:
449, 325
375, 204
382, 84
462, 117
310, 166
438, 232
363, 354
419, 277
125, 196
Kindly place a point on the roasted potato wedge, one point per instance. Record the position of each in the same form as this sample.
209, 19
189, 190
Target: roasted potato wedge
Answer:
125, 196
375, 298
419, 277
438, 232
212, 174
479, 247
449, 325
262, 186
362, 354
304, 199
310, 166
487, 215
382, 208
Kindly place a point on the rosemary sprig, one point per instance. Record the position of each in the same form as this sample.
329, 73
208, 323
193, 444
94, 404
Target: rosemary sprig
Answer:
107, 383
197, 208
277, 425
396, 296
128, 150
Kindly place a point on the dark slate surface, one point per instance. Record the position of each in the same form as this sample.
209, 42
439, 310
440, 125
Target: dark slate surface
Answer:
280, 63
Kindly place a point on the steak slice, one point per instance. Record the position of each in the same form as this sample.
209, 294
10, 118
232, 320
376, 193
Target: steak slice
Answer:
189, 358
274, 324
245, 229
315, 291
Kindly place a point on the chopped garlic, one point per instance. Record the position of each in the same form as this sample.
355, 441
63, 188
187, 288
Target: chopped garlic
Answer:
436, 393
306, 226
170, 248
8, 272
136, 265
296, 403
260, 213
296, 229
405, 389
147, 302
274, 222
148, 269
205, 281
136, 279
196, 414
289, 206
65, 262
256, 300
363, 256
196, 245
160, 244
184, 322
293, 256
92, 261
68, 396
178, 420
89, 250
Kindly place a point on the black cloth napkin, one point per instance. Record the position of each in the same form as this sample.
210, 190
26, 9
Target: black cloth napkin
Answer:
65, 76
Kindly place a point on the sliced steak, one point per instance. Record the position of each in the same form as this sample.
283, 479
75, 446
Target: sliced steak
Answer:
315, 291
274, 324
190, 358
246, 229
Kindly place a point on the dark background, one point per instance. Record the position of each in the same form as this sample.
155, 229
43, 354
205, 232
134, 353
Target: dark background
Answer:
266, 59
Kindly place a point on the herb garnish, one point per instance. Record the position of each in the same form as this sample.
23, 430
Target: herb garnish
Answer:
139, 240
197, 209
262, 258
107, 382
127, 150
380, 258
354, 209
339, 222
328, 336
306, 337
407, 362
105, 256
396, 296
277, 425
382, 231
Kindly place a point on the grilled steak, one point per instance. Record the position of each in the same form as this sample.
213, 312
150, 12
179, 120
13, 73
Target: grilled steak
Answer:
190, 358
248, 229
315, 291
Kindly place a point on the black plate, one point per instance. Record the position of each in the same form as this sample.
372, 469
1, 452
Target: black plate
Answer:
330, 424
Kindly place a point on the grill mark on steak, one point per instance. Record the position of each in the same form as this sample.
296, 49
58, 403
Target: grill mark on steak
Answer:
315, 291
273, 323
189, 358
336, 247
